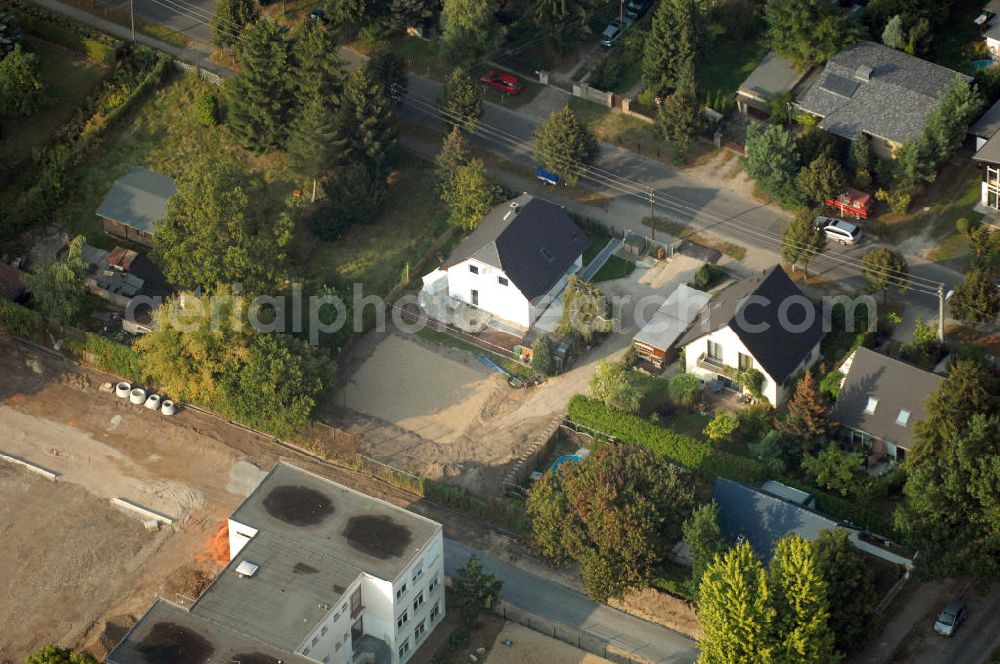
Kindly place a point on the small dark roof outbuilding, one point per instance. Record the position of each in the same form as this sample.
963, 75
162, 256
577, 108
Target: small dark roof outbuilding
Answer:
763, 519
752, 309
883, 397
532, 240
138, 199
874, 89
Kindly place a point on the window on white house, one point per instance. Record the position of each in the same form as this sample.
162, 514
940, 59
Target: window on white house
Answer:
418, 601
503, 281
418, 571
436, 611
433, 584
401, 620
401, 591
419, 631
473, 269
404, 647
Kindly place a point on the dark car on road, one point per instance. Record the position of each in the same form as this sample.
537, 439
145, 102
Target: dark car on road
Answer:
502, 81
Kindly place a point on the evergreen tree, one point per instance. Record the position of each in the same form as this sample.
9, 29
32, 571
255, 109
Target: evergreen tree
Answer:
310, 140
358, 194
461, 101
674, 41
950, 409
216, 233
318, 71
809, 31
850, 585
59, 287
735, 610
704, 540
231, 19
773, 161
260, 100
367, 132
884, 268
10, 33
859, 159
894, 35
21, 88
469, 31
984, 248
388, 70
801, 241
976, 300
469, 195
541, 356
454, 153
564, 146
805, 424
823, 178
679, 117
801, 629
948, 124
404, 14
557, 19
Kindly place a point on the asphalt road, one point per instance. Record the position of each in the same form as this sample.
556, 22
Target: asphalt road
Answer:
561, 604
973, 641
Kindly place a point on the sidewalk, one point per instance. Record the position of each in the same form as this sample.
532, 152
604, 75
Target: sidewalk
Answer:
191, 54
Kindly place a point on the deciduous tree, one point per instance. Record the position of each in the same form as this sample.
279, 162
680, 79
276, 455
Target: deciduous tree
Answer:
461, 100
984, 248
474, 591
585, 311
60, 286
404, 14
704, 540
564, 146
809, 31
721, 427
469, 195
801, 241
850, 585
801, 630
617, 513
215, 232
469, 31
684, 390
821, 179
976, 300
894, 35
834, 469
261, 98
454, 153
884, 268
21, 88
53, 654
610, 385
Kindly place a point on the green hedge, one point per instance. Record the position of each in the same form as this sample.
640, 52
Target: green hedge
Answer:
502, 512
51, 28
21, 321
109, 356
700, 457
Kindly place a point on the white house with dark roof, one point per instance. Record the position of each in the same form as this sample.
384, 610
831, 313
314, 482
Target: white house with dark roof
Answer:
763, 322
871, 90
880, 401
516, 261
317, 573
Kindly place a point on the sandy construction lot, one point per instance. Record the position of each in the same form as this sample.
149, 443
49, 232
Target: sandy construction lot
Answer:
529, 647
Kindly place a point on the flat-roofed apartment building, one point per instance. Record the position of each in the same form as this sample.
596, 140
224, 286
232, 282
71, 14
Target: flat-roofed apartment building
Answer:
317, 573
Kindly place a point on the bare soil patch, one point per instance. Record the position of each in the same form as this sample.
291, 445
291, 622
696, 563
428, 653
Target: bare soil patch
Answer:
527, 646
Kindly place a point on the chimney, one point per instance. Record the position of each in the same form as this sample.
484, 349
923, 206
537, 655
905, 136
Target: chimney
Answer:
863, 73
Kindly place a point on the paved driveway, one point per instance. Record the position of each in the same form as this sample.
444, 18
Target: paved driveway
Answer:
568, 607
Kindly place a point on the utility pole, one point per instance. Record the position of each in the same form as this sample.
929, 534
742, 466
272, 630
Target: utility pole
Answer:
941, 313
131, 13
652, 214
621, 13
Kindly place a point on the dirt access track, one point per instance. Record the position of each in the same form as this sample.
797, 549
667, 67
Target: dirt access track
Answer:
78, 572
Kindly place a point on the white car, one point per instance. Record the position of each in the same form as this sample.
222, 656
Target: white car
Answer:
615, 29
839, 230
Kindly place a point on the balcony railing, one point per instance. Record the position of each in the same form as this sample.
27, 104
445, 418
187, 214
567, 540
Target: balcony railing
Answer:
715, 365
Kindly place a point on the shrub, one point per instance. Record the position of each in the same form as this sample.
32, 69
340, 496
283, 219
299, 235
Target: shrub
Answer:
722, 426
962, 226
541, 356
206, 109
830, 385
109, 356
21, 321
706, 277
684, 390
684, 450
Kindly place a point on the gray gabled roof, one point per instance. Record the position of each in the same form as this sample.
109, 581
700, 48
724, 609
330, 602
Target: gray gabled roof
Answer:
763, 519
534, 243
874, 89
138, 199
990, 152
894, 385
774, 75
988, 123
670, 321
751, 309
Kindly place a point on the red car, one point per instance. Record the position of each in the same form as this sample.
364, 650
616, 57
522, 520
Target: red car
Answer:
503, 82
852, 202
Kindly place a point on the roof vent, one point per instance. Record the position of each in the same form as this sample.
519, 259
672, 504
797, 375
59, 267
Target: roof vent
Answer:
246, 569
872, 405
863, 73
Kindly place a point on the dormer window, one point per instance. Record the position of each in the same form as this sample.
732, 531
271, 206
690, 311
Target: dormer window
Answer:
872, 405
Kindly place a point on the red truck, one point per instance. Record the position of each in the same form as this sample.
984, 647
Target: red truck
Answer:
852, 202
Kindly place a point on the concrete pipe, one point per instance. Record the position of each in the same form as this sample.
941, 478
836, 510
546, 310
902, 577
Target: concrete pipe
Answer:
122, 389
153, 402
168, 408
137, 396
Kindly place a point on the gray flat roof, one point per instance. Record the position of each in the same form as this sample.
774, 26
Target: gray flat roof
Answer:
138, 199
365, 532
293, 588
988, 123
673, 317
774, 75
169, 634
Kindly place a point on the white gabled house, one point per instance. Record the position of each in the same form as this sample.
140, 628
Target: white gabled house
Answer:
516, 262
764, 322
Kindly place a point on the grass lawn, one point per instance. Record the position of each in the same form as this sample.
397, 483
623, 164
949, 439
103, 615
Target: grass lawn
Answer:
728, 65
684, 232
597, 241
615, 268
161, 134
377, 254
624, 130
688, 424
68, 79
